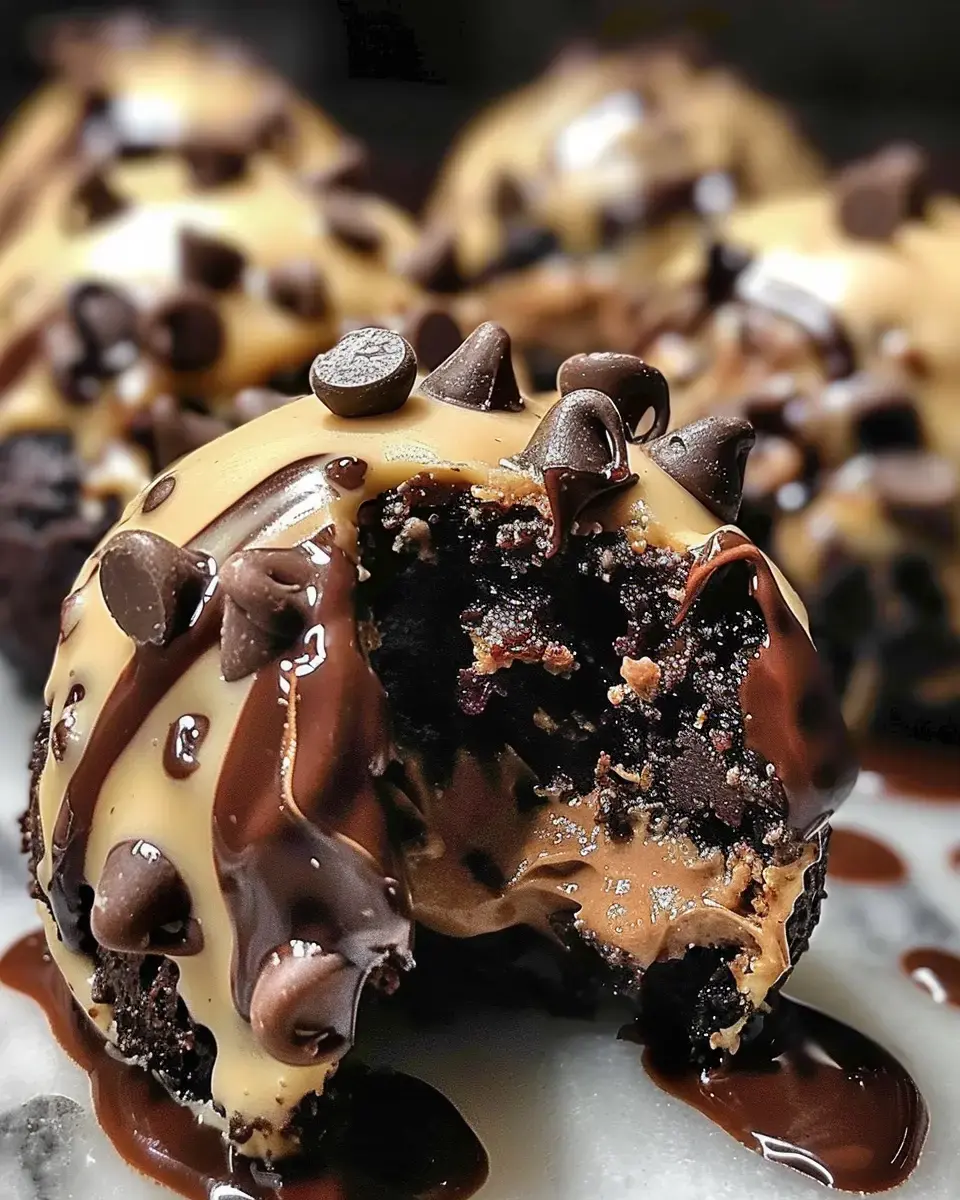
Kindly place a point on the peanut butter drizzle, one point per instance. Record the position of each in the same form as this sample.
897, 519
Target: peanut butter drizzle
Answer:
254, 487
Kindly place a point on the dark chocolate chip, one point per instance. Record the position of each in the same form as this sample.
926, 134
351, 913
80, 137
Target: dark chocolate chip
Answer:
818, 320
174, 430
579, 451
918, 488
348, 170
142, 905
209, 261
185, 332
348, 473
69, 366
478, 374
152, 587
299, 287
433, 264
725, 263
254, 402
106, 321
266, 606
294, 1002
96, 199
367, 373
876, 196
213, 166
708, 457
636, 388
434, 336
350, 224
162, 490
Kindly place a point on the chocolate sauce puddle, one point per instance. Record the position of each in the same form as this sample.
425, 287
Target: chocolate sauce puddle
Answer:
396, 1138
936, 971
922, 773
812, 1094
859, 857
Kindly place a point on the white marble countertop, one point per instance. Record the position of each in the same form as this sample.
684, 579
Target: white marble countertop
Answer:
564, 1109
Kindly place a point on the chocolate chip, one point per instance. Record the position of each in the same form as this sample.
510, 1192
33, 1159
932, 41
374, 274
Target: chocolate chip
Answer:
757, 286
299, 287
367, 373
294, 1002
96, 200
708, 458
433, 264
207, 260
725, 264
523, 246
434, 336
636, 388
349, 223
478, 374
579, 450
213, 166
348, 170
106, 321
876, 196
348, 473
174, 430
185, 332
142, 905
152, 587
162, 490
253, 402
918, 488
265, 609
67, 356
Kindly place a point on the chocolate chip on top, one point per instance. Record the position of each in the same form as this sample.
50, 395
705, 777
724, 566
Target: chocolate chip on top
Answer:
635, 387
152, 587
142, 905
209, 261
708, 457
367, 373
186, 332
478, 374
876, 196
579, 450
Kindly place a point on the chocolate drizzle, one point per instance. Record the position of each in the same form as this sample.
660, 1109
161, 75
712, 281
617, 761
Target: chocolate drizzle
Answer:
579, 451
289, 814
791, 714
812, 1094
183, 745
388, 1136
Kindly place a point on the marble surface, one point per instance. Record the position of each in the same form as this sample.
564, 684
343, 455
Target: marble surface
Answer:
564, 1109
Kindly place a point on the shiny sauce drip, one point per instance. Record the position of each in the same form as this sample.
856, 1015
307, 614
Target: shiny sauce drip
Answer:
396, 1138
812, 1094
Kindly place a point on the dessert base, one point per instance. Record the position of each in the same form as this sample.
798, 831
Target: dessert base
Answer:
564, 1109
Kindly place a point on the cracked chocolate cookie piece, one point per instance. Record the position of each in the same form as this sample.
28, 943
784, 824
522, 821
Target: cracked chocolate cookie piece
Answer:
828, 320
627, 741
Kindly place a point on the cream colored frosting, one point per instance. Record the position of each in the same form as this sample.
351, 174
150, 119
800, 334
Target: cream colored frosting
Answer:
563, 845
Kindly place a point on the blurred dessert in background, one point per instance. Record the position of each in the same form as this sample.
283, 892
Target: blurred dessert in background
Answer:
605, 153
832, 322
139, 292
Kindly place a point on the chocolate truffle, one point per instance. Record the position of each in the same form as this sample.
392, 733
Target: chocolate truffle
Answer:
136, 302
605, 156
830, 320
627, 743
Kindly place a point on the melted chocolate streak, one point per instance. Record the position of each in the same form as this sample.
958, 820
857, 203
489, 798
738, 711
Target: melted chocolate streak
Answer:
398, 1138
792, 715
813, 1094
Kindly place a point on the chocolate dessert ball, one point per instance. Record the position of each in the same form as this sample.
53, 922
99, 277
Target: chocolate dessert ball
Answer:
603, 154
832, 322
433, 654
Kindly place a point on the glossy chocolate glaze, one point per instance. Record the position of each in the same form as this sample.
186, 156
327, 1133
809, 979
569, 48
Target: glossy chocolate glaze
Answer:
858, 857
936, 971
403, 1140
812, 1094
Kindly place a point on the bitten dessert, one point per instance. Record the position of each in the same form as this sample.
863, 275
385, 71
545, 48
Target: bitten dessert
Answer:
122, 86
435, 655
830, 322
605, 156
137, 298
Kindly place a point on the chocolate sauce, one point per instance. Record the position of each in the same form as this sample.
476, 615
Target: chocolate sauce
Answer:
858, 857
791, 713
916, 772
936, 971
393, 1137
183, 744
346, 472
812, 1094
